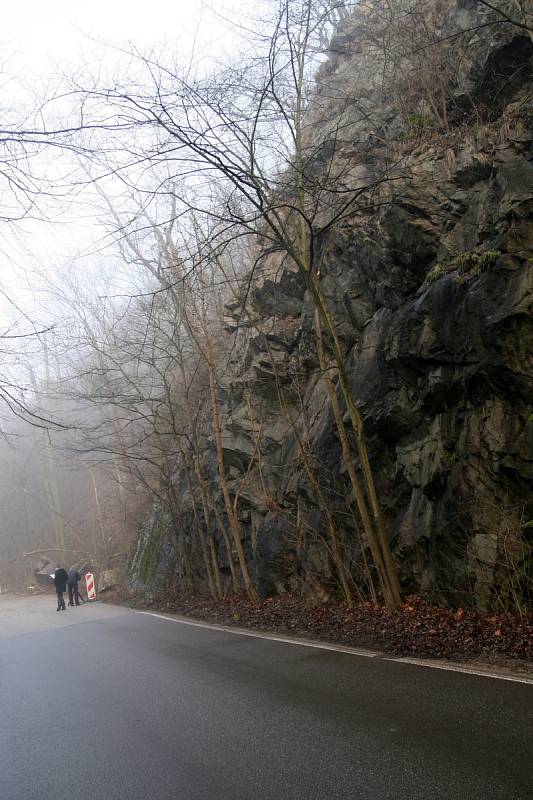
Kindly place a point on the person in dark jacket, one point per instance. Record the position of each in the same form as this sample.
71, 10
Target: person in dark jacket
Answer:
60, 582
73, 591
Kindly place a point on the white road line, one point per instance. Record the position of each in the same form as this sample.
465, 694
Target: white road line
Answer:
338, 648
466, 670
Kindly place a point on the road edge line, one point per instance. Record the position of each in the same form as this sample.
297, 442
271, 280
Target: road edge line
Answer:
339, 648
274, 637
453, 666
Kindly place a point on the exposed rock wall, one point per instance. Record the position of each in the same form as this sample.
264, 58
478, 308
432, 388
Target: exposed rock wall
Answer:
431, 288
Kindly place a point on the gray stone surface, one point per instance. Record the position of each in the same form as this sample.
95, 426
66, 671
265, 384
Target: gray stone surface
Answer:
438, 344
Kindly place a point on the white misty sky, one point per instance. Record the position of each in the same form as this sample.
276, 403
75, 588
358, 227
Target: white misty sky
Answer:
42, 32
40, 39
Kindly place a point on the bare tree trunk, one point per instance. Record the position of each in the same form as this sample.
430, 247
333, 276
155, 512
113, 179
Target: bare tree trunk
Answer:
232, 516
100, 519
358, 429
303, 258
203, 545
373, 541
208, 502
206, 499
216, 570
322, 502
49, 468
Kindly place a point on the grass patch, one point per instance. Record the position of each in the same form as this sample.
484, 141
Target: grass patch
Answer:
463, 267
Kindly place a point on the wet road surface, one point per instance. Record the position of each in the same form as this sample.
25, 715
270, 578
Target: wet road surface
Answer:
104, 703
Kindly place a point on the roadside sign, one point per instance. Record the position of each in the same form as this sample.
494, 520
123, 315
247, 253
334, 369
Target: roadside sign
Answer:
91, 591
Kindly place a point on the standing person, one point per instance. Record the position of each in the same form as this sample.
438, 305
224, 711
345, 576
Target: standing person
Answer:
73, 591
60, 582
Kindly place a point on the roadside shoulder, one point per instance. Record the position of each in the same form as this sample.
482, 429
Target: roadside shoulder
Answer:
515, 672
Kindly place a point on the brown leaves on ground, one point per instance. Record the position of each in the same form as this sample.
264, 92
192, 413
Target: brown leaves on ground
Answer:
416, 629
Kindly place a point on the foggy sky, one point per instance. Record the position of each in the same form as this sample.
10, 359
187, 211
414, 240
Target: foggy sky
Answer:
42, 41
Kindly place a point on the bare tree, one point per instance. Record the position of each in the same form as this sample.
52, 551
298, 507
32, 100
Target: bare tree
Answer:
246, 141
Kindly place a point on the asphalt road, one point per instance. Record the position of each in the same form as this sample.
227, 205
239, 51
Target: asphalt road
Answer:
102, 703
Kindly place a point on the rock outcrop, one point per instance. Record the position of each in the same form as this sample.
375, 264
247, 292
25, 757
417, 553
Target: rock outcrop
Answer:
430, 286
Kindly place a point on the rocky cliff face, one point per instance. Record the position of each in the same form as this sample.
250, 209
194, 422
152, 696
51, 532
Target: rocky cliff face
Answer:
430, 285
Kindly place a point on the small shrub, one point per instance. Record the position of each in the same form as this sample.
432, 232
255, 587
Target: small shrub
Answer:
419, 123
415, 126
434, 274
464, 267
487, 259
526, 115
465, 262
475, 263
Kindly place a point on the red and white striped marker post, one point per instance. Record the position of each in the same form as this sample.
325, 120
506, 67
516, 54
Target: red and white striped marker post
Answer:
91, 591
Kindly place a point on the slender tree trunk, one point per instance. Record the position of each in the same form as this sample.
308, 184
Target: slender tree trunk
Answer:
206, 500
100, 519
304, 260
211, 582
49, 468
232, 516
372, 538
358, 429
322, 502
216, 570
